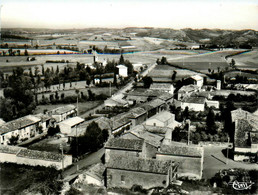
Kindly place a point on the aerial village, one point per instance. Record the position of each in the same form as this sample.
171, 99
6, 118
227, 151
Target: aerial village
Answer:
150, 133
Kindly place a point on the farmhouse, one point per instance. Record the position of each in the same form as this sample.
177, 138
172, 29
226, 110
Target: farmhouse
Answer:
22, 128
163, 87
148, 173
68, 125
122, 70
190, 158
63, 113
246, 135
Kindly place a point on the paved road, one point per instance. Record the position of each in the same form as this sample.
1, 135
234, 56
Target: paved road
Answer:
214, 160
90, 159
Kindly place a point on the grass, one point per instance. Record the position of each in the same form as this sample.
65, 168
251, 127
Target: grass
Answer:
83, 107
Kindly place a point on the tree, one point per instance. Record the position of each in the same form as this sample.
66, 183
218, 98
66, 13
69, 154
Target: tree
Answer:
92, 140
26, 52
174, 76
163, 61
121, 59
186, 113
147, 81
210, 122
232, 64
53, 130
19, 99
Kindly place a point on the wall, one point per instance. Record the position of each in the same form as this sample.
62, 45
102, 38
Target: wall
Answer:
192, 106
148, 151
139, 120
64, 128
155, 122
188, 166
146, 180
10, 158
210, 103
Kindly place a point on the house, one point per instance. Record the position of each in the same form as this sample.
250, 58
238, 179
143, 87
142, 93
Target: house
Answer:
194, 103
93, 175
212, 103
190, 158
63, 113
186, 91
45, 121
23, 128
137, 116
245, 136
139, 95
163, 87
154, 106
68, 125
140, 132
148, 173
103, 123
167, 97
126, 147
162, 119
120, 123
198, 80
162, 123
122, 70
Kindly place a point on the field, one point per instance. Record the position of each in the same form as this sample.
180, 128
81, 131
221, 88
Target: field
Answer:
204, 61
165, 72
244, 74
247, 60
83, 107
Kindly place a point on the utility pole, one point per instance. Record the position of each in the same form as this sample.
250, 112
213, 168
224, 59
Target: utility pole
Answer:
188, 122
110, 89
227, 151
62, 150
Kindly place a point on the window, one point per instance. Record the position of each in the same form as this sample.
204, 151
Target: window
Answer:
122, 179
154, 124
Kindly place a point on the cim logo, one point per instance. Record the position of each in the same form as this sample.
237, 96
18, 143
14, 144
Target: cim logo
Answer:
241, 185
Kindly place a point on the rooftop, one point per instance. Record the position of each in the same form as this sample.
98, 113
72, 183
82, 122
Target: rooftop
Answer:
139, 164
197, 77
154, 103
181, 150
63, 109
161, 86
43, 117
136, 112
195, 100
121, 66
72, 121
126, 144
165, 96
18, 123
188, 88
163, 116
150, 138
35, 154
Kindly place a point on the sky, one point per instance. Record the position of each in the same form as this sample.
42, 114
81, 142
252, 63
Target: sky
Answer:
67, 14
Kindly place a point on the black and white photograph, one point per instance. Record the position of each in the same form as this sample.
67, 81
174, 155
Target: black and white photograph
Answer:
128, 97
